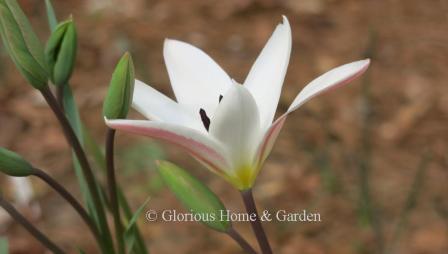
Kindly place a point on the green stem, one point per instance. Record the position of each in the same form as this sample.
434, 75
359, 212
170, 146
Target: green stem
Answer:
60, 96
70, 199
241, 241
112, 185
30, 227
85, 166
251, 208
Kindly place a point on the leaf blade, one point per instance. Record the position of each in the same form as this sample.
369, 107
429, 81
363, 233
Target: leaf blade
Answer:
194, 195
51, 15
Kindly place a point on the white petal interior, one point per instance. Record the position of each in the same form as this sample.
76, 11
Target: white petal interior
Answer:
156, 106
236, 124
196, 79
265, 79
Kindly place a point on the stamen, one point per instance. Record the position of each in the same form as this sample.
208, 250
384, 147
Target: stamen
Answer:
204, 118
220, 97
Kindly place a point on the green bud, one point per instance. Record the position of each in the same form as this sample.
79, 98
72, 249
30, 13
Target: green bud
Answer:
194, 195
121, 89
22, 44
60, 52
13, 164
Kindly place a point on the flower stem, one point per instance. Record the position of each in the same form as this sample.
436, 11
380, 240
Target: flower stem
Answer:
241, 241
60, 96
112, 185
70, 199
30, 227
251, 208
85, 166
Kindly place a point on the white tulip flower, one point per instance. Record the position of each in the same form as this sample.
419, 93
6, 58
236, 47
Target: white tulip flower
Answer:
226, 126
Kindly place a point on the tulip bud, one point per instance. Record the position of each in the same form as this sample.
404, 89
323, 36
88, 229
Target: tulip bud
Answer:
22, 44
60, 52
121, 89
13, 164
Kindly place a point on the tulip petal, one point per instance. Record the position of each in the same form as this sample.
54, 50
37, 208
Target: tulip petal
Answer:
200, 146
269, 140
336, 77
236, 124
156, 106
265, 79
196, 79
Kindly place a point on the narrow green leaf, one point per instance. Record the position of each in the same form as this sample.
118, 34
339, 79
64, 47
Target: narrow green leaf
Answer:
74, 118
51, 15
130, 234
94, 149
75, 121
194, 195
139, 246
4, 246
136, 215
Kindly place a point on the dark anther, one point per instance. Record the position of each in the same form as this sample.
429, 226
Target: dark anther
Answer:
220, 97
204, 118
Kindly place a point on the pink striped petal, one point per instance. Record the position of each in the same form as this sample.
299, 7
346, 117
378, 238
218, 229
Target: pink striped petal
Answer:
200, 146
334, 78
269, 140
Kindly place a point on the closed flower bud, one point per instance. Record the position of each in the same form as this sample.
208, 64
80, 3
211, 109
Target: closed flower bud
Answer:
60, 52
22, 44
121, 88
13, 164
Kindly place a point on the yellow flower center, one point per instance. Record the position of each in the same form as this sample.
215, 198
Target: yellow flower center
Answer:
244, 177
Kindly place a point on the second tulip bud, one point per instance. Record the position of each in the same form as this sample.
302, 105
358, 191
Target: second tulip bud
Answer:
60, 52
121, 89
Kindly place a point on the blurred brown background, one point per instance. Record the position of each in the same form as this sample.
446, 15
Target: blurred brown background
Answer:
371, 157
